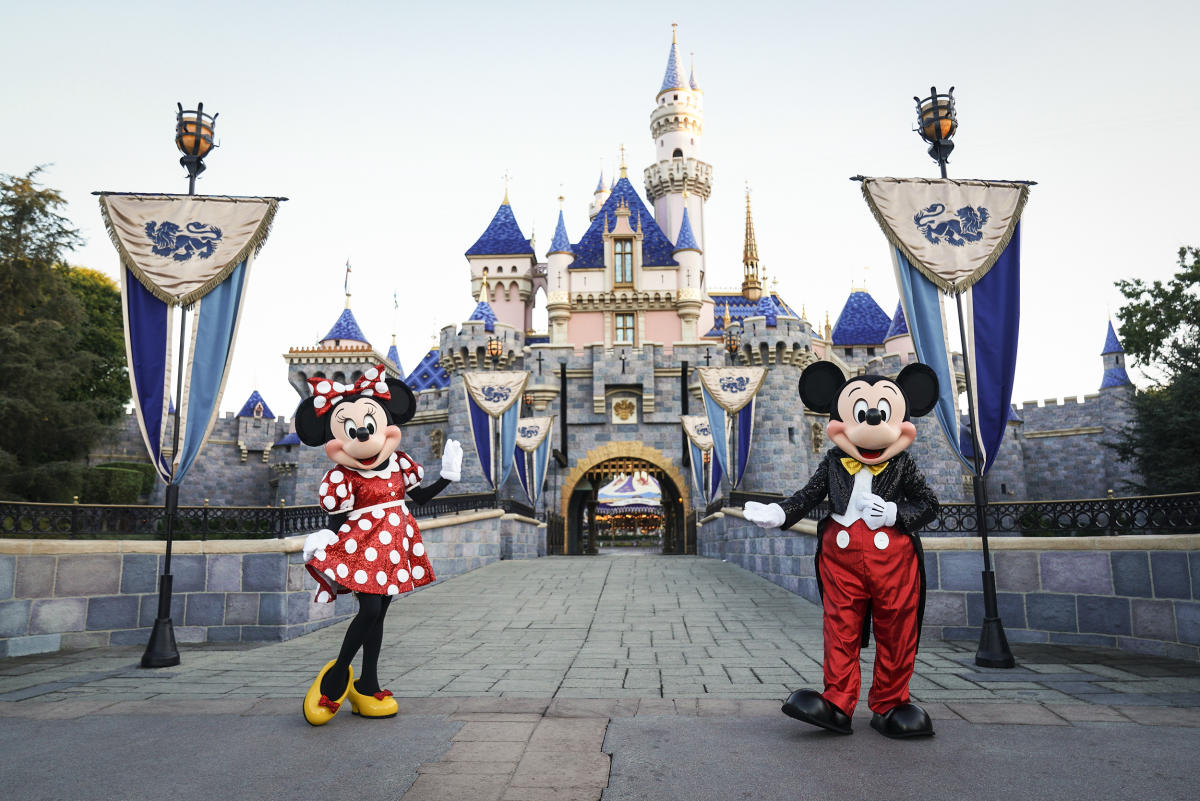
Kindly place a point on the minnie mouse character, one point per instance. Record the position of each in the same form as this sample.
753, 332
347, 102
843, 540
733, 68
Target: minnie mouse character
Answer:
375, 548
869, 558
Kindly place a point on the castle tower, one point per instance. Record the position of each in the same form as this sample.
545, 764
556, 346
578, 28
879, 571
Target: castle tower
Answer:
504, 252
691, 264
598, 197
1113, 357
343, 354
558, 281
751, 285
677, 125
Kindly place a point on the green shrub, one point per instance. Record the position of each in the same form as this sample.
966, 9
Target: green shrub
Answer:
52, 482
144, 469
112, 485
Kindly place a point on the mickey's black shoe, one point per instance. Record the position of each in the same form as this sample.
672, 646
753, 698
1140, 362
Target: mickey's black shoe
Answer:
905, 720
811, 707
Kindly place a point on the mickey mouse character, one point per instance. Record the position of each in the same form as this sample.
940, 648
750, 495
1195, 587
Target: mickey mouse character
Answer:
376, 551
869, 558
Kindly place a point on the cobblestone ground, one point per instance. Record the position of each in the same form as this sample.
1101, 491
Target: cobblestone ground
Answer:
633, 627
617, 677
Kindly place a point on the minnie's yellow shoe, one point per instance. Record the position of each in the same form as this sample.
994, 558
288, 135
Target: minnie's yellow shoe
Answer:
379, 705
320, 709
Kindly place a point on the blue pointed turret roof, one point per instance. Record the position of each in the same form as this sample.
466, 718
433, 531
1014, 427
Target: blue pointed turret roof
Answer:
346, 327
483, 311
290, 438
1115, 377
1111, 343
251, 402
686, 240
861, 322
740, 308
561, 243
656, 247
502, 237
673, 78
394, 357
429, 373
601, 186
692, 80
899, 326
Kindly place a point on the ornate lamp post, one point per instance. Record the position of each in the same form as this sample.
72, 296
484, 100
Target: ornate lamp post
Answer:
937, 123
732, 337
194, 138
495, 347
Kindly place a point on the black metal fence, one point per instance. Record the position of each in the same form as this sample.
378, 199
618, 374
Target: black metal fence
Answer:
93, 521
1147, 514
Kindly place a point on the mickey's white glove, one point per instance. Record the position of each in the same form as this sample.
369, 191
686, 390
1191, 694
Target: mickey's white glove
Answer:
317, 541
764, 515
452, 460
876, 512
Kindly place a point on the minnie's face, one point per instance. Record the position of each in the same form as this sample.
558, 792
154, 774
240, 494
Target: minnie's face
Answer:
872, 427
361, 437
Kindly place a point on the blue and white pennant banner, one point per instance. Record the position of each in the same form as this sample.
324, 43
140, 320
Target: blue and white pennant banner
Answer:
729, 394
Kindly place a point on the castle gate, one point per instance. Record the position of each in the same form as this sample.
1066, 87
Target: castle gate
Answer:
601, 465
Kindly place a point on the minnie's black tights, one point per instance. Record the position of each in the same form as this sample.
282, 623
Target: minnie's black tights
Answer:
365, 632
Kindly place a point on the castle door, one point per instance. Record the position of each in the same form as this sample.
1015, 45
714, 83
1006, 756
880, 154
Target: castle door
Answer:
642, 508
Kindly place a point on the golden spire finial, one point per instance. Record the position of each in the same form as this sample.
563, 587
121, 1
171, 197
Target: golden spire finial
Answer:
674, 40
726, 320
483, 286
624, 174
751, 285
507, 177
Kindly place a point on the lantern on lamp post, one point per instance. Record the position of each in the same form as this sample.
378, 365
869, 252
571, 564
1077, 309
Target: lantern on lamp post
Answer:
495, 347
194, 138
937, 122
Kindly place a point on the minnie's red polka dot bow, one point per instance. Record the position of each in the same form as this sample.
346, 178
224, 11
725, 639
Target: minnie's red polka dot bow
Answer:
327, 393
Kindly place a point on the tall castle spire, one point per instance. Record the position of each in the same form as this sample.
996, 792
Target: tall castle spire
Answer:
751, 284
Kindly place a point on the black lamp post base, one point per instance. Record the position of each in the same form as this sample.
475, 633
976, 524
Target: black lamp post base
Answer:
993, 646
161, 651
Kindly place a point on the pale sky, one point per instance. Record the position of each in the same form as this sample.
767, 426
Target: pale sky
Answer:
390, 126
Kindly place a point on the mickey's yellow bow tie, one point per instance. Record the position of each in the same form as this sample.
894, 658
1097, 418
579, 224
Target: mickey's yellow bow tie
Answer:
852, 466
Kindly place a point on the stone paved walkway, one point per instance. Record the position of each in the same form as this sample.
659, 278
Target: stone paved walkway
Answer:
526, 665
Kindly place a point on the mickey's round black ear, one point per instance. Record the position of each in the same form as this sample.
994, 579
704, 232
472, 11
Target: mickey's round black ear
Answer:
920, 385
819, 384
403, 404
309, 428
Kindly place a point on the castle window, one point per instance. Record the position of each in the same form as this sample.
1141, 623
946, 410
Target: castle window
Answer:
258, 410
624, 328
623, 261
678, 154
676, 97
870, 351
849, 352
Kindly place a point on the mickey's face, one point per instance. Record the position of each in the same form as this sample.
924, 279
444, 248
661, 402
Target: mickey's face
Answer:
870, 421
360, 437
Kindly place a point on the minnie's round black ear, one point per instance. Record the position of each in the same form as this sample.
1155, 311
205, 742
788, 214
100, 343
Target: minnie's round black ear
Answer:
819, 384
309, 428
920, 385
403, 404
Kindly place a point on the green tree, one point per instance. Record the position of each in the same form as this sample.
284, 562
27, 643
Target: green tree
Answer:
1160, 329
61, 357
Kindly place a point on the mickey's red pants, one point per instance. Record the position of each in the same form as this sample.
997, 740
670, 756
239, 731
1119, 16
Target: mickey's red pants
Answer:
861, 565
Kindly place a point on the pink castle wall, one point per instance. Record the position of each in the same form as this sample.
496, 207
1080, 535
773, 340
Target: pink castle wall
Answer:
664, 327
584, 328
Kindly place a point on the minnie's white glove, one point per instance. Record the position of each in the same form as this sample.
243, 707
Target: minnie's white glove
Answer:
764, 515
452, 460
876, 512
317, 541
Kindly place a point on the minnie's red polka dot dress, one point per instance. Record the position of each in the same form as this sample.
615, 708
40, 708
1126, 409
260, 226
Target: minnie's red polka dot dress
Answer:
379, 548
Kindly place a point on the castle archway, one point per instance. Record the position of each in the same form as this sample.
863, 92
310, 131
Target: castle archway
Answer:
597, 467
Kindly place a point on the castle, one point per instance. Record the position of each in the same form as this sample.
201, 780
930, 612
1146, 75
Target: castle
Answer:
630, 316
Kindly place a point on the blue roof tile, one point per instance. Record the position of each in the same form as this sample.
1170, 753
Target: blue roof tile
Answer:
1115, 377
741, 308
346, 327
251, 402
289, 438
656, 247
766, 308
692, 80
483, 311
673, 79
394, 357
429, 373
561, 243
686, 240
502, 237
861, 322
899, 326
1111, 343
537, 339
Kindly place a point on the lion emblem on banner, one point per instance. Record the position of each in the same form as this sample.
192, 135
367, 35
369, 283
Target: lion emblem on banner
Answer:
735, 384
200, 239
968, 227
496, 394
